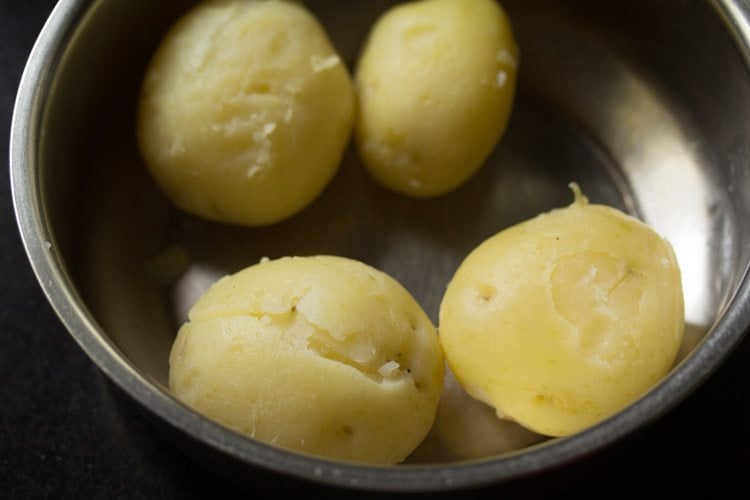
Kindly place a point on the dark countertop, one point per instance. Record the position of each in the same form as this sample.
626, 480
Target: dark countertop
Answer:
67, 432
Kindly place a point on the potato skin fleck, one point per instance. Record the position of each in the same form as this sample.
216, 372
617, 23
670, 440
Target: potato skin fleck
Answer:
436, 83
245, 111
323, 355
563, 320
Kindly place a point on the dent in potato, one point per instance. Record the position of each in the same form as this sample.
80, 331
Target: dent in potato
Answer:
562, 320
435, 83
245, 112
321, 354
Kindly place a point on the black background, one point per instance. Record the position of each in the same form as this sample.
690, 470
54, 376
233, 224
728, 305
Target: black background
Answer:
66, 432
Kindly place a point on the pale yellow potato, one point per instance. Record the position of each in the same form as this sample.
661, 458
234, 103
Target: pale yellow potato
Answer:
436, 83
320, 354
562, 320
245, 111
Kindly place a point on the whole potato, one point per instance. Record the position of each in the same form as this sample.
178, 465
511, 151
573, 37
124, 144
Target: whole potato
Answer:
245, 111
562, 320
325, 355
436, 83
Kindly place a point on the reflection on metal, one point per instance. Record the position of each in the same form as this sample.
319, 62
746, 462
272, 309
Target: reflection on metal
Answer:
668, 176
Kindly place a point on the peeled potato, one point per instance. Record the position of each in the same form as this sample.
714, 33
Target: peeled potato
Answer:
245, 111
436, 83
562, 320
321, 354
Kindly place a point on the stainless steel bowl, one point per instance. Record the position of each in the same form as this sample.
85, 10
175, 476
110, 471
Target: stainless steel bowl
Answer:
645, 104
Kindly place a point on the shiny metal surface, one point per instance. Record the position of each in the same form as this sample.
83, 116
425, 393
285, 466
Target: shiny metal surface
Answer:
645, 104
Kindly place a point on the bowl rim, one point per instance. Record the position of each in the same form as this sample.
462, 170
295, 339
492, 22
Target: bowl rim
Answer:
59, 288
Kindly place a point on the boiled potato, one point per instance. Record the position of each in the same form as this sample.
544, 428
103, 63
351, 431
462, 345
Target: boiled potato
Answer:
562, 320
320, 354
435, 83
245, 111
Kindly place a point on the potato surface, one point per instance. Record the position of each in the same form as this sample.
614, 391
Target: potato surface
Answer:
245, 111
562, 320
321, 354
436, 83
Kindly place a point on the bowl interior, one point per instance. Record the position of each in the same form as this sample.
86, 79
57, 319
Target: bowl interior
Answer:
644, 104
